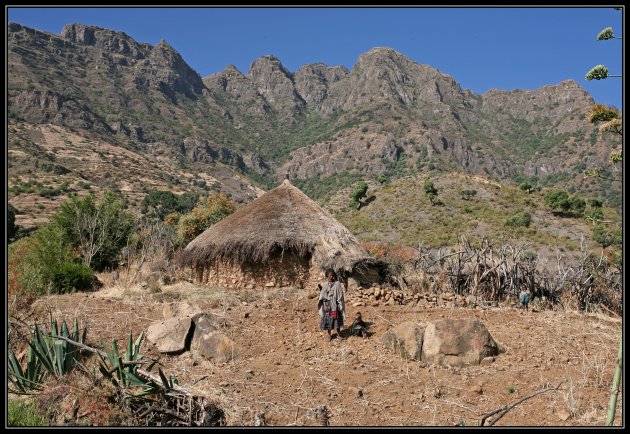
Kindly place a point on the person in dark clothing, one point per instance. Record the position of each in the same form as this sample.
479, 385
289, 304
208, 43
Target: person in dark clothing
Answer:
524, 299
359, 327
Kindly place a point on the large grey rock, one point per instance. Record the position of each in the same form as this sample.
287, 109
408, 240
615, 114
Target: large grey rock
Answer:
207, 341
204, 323
405, 339
170, 335
457, 342
212, 344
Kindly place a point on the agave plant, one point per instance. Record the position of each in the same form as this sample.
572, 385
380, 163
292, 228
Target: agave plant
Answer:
57, 355
47, 355
25, 380
126, 368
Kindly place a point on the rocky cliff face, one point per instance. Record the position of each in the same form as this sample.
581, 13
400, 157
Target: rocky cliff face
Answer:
388, 115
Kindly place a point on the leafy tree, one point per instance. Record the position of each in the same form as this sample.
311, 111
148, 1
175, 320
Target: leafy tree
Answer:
577, 205
359, 192
98, 230
430, 191
208, 211
526, 187
564, 204
158, 204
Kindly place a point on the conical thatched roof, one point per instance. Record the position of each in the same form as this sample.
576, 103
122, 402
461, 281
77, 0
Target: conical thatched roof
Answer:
282, 220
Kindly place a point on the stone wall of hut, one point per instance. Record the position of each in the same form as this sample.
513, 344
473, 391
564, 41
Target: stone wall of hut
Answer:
289, 270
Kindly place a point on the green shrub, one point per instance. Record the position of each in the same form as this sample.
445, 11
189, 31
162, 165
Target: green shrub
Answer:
208, 211
430, 191
606, 238
519, 220
73, 276
48, 265
359, 191
564, 204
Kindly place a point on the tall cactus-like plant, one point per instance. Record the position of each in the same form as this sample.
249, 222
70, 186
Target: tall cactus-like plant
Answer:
47, 355
125, 369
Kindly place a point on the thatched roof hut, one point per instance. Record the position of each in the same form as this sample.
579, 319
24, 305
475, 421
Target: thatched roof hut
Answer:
283, 237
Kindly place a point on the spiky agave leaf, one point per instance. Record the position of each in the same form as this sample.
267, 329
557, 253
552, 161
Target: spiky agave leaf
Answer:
59, 351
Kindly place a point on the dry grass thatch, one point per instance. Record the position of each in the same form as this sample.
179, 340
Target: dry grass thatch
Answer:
282, 221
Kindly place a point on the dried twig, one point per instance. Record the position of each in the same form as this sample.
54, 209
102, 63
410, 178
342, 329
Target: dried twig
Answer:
503, 410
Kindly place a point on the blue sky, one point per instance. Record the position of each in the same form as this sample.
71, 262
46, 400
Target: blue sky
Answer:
481, 48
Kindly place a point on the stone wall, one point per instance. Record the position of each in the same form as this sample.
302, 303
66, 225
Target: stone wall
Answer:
289, 270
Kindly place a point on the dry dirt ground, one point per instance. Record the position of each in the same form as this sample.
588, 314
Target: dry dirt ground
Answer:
285, 367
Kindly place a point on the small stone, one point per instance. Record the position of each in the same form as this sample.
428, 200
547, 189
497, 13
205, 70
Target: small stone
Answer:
563, 415
224, 384
246, 315
487, 361
476, 389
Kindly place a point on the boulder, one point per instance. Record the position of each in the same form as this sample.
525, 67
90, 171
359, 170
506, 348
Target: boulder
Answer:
204, 322
170, 335
405, 339
212, 345
207, 341
457, 342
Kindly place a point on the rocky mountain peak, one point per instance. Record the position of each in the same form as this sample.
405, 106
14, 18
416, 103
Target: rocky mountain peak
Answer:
312, 81
232, 70
382, 52
275, 83
105, 39
266, 65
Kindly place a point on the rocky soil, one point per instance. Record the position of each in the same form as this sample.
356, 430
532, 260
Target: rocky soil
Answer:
285, 371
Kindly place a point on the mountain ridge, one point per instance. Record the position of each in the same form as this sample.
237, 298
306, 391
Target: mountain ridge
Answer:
387, 116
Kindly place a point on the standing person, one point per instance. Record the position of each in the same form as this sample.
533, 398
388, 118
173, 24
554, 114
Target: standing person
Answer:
524, 299
331, 305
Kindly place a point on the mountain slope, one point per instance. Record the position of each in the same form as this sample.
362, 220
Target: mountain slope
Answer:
387, 117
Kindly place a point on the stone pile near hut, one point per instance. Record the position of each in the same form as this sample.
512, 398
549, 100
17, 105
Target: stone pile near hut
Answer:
387, 296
